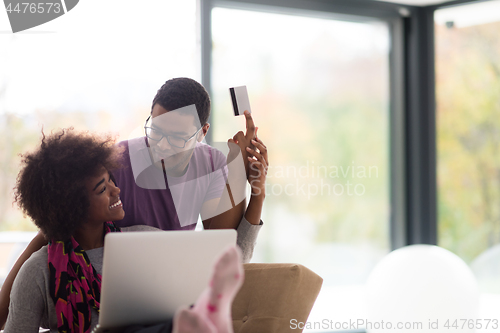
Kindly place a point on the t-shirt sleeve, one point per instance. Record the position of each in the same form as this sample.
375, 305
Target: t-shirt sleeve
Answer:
218, 176
27, 299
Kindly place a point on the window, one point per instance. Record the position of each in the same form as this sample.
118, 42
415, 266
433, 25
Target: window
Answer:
468, 140
319, 89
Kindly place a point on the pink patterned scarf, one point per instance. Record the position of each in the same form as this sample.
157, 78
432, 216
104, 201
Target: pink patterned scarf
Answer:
75, 286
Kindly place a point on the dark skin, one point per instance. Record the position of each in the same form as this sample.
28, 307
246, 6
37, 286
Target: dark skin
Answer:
105, 205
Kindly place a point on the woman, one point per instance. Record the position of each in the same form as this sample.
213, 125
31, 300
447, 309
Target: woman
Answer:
65, 186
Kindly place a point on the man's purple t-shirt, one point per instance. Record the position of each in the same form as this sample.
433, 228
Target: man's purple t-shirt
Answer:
153, 198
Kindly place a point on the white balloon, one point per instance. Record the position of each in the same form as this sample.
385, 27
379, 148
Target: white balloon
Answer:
486, 268
421, 288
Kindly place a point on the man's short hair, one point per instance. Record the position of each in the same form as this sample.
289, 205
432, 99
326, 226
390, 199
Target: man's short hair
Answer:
179, 92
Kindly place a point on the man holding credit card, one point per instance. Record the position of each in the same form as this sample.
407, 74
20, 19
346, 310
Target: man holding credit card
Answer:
170, 177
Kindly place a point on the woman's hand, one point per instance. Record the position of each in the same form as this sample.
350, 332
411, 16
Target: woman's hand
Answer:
258, 166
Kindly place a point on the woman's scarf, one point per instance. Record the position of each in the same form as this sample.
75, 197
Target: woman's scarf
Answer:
75, 286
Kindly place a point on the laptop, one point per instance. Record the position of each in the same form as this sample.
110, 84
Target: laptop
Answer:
147, 275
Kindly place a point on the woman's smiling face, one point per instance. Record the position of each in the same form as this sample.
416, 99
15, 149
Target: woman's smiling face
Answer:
104, 198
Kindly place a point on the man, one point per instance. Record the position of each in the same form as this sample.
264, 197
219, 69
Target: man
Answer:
170, 177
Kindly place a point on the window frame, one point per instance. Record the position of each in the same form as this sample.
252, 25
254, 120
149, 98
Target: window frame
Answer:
421, 152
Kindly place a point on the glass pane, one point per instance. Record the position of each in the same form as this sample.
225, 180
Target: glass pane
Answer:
468, 139
319, 92
100, 76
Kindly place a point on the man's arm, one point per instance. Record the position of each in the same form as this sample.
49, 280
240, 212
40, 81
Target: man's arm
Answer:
249, 226
258, 165
226, 212
258, 162
230, 219
35, 245
231, 206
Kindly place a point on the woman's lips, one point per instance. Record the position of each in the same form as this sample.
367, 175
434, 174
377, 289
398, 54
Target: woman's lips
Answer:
116, 205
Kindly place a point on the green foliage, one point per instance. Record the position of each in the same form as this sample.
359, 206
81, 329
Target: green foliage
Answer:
17, 136
468, 138
315, 143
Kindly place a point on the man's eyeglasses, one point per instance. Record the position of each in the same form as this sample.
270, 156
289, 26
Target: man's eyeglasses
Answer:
157, 135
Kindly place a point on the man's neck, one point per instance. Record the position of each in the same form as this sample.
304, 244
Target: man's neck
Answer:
173, 173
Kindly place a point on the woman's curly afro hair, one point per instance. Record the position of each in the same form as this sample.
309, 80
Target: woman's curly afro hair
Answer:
50, 187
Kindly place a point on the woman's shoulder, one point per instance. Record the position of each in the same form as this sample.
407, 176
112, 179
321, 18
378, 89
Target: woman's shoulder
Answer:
35, 269
37, 260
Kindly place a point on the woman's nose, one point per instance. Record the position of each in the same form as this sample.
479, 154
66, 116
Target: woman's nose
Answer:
115, 190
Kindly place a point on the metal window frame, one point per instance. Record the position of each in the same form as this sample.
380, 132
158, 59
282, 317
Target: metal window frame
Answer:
421, 158
420, 128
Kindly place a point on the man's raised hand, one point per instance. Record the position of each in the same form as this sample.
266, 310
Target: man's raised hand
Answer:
245, 140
